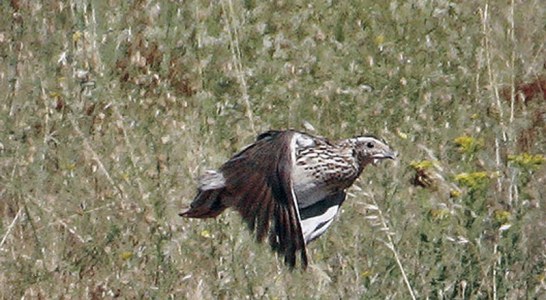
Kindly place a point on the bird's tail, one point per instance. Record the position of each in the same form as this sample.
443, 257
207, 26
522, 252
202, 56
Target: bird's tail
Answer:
209, 200
207, 204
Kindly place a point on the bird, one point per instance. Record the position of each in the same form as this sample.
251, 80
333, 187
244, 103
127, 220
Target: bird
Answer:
287, 186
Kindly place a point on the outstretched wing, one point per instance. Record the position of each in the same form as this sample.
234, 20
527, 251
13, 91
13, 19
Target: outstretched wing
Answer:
258, 185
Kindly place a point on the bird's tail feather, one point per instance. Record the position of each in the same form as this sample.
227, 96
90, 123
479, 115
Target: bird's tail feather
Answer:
207, 204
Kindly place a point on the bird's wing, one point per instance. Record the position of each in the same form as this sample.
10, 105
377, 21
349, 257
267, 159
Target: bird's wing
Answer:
258, 184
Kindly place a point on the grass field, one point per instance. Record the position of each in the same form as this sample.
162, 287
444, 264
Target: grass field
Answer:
109, 111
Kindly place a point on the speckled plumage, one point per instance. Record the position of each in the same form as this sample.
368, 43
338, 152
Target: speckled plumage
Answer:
288, 185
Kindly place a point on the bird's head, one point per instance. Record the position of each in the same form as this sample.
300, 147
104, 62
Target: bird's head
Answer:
369, 149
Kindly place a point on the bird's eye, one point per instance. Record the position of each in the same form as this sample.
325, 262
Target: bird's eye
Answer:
370, 145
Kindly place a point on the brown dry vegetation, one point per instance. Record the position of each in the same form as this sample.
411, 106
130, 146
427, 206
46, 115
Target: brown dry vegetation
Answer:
110, 109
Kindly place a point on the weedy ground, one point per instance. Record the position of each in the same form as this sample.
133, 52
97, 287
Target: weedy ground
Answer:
111, 109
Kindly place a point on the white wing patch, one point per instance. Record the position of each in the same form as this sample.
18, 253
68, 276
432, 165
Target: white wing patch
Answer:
314, 227
303, 140
212, 180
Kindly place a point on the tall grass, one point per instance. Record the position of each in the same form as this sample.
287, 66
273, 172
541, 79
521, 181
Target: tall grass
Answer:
110, 110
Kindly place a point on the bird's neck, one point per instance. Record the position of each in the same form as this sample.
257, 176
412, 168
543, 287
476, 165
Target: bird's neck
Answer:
351, 145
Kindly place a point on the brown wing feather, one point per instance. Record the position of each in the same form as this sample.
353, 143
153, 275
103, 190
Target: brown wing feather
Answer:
258, 185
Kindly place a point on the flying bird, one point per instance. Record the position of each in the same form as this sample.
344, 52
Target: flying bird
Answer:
287, 186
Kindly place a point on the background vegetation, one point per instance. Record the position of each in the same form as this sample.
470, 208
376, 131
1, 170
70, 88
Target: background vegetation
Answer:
110, 109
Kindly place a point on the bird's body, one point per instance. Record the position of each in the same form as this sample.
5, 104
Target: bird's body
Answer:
287, 185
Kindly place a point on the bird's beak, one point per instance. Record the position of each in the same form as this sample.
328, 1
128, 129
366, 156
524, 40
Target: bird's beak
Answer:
391, 155
387, 154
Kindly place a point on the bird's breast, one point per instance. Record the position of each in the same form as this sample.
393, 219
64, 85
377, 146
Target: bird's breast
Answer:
314, 177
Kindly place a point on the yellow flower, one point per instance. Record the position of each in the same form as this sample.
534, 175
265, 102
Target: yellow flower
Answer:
422, 177
366, 273
438, 214
527, 161
455, 193
70, 166
379, 40
474, 180
401, 134
467, 144
76, 36
421, 165
126, 255
541, 277
55, 95
502, 216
